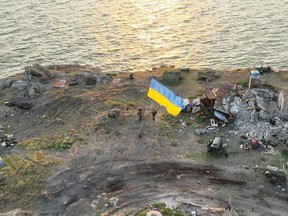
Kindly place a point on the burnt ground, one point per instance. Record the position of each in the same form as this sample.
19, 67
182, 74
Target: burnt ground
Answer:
111, 171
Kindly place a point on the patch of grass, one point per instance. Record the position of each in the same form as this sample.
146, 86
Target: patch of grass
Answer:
172, 123
269, 86
23, 179
243, 82
165, 129
46, 143
284, 154
200, 119
162, 208
175, 121
226, 192
119, 104
172, 77
206, 75
280, 160
171, 120
7, 96
131, 104
202, 141
111, 75
197, 94
199, 156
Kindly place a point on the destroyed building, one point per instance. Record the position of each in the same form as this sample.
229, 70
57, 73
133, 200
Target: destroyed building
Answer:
257, 113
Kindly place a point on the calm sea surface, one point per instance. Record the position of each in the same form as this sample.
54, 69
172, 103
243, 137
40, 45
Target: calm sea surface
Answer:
130, 35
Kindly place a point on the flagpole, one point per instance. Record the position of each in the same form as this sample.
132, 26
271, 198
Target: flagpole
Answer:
144, 108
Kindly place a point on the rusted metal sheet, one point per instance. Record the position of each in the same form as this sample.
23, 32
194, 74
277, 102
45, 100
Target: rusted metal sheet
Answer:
224, 97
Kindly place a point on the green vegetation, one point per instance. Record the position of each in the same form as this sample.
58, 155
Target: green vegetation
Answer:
202, 141
243, 82
206, 75
171, 120
199, 156
48, 143
117, 103
197, 94
282, 159
277, 161
162, 208
111, 75
200, 119
131, 104
23, 179
284, 154
269, 86
172, 78
172, 123
7, 96
176, 121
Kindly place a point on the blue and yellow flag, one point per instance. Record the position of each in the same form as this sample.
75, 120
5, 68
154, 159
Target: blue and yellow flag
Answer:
165, 97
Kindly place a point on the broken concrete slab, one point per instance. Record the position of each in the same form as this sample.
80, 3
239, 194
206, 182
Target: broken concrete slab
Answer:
283, 101
261, 103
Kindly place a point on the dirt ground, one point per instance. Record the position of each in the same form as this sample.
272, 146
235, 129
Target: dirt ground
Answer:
110, 170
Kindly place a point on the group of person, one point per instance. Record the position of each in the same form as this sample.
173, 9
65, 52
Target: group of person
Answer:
140, 114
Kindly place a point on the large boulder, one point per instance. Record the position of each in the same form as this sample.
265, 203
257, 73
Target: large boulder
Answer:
33, 91
5, 83
38, 72
20, 104
19, 85
114, 113
102, 78
90, 79
234, 109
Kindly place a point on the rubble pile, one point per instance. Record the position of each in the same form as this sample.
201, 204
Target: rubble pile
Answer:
6, 140
259, 115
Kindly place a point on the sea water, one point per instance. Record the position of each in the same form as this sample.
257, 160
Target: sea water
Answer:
131, 35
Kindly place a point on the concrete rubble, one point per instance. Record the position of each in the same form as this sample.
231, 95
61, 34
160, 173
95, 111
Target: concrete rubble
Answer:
6, 140
256, 113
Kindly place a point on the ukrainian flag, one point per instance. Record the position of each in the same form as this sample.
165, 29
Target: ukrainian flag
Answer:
165, 97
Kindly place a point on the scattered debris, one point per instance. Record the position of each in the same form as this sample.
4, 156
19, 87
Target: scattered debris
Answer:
201, 131
274, 174
213, 123
216, 146
114, 201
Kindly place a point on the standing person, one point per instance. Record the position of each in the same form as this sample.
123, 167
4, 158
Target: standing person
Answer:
131, 76
229, 206
140, 114
154, 112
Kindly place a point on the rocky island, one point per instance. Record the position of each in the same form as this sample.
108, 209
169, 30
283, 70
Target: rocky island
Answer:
72, 143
